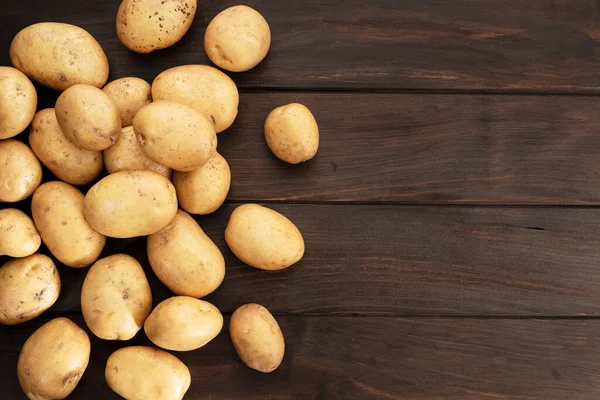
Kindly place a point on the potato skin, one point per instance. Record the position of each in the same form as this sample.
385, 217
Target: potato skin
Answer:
185, 259
18, 234
263, 238
57, 209
257, 337
145, 373
130, 95
18, 101
131, 203
21, 172
292, 133
59, 55
53, 360
28, 287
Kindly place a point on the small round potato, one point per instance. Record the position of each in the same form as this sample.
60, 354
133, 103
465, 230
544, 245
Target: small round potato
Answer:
204, 190
257, 337
145, 373
202, 87
175, 135
292, 133
263, 238
18, 101
131, 203
57, 209
130, 95
68, 162
20, 171
116, 297
127, 155
53, 360
185, 259
18, 235
59, 55
147, 25
88, 117
28, 287
237, 39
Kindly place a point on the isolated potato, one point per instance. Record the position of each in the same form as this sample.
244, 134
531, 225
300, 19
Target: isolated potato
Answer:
175, 135
202, 87
183, 323
185, 259
263, 238
145, 373
131, 203
18, 235
59, 55
28, 287
18, 101
130, 95
88, 117
20, 171
237, 39
68, 162
292, 133
127, 155
116, 297
257, 337
53, 360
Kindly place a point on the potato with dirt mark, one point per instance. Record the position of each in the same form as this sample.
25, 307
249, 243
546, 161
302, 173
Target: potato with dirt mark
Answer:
18, 101
130, 95
18, 234
20, 171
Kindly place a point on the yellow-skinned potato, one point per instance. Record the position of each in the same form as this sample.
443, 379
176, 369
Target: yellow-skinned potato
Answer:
88, 117
116, 297
292, 133
21, 172
18, 101
68, 162
59, 55
183, 323
263, 238
130, 94
18, 235
237, 39
185, 259
127, 155
204, 190
175, 135
145, 373
257, 337
202, 87
28, 287
53, 360
129, 204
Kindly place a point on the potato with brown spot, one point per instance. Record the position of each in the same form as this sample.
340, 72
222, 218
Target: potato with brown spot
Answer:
20, 171
18, 101
130, 95
292, 133
18, 235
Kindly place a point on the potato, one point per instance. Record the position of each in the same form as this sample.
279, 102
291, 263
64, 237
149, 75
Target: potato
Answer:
53, 360
183, 323
257, 337
185, 259
204, 190
127, 155
68, 162
130, 95
263, 238
18, 235
175, 135
59, 55
28, 287
18, 101
116, 297
145, 373
292, 133
237, 39
88, 117
57, 209
129, 204
202, 87
21, 172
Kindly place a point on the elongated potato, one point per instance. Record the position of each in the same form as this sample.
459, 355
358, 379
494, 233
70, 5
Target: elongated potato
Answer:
18, 101
185, 259
21, 172
129, 204
18, 235
292, 133
130, 95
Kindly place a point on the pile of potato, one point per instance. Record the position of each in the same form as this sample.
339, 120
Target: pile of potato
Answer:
159, 145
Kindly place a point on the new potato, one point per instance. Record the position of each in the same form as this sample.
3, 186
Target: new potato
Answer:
130, 95
18, 101
18, 235
20, 172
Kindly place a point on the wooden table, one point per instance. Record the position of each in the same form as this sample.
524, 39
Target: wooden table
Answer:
451, 215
